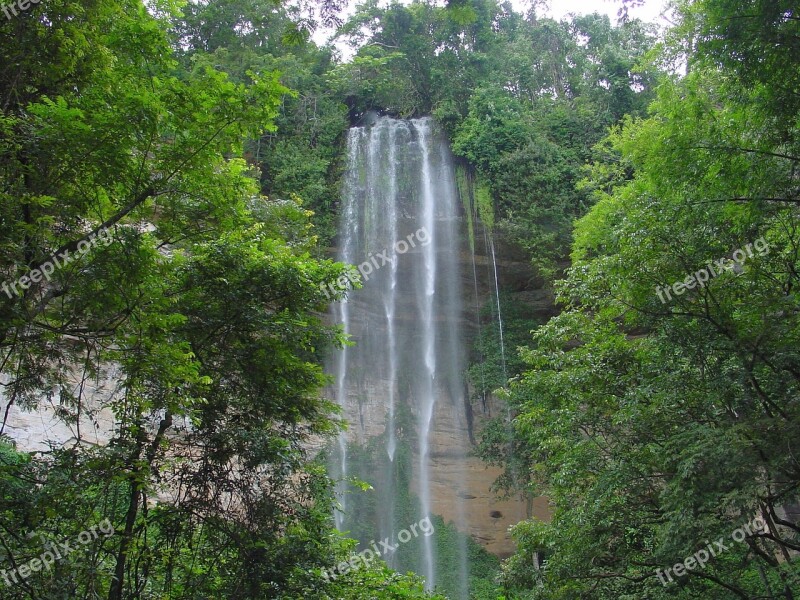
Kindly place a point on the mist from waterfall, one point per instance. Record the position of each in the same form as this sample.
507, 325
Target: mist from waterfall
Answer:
400, 204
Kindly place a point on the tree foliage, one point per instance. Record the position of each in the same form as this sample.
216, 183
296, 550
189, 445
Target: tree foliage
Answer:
654, 425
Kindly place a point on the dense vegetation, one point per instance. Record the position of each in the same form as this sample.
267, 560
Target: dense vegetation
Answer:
202, 142
656, 426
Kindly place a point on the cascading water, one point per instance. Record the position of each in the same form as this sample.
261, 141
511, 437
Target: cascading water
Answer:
400, 224
425, 292
350, 228
489, 240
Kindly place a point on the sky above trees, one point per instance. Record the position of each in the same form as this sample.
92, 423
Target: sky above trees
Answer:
650, 11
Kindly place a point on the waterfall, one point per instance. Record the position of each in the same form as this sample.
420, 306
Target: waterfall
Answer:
349, 231
425, 293
400, 225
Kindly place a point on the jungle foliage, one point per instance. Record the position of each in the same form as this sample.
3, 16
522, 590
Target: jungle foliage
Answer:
206, 138
655, 426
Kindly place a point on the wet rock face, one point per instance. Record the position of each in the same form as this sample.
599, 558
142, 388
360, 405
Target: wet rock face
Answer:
458, 477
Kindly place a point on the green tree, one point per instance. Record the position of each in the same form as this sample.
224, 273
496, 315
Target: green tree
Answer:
300, 156
205, 300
